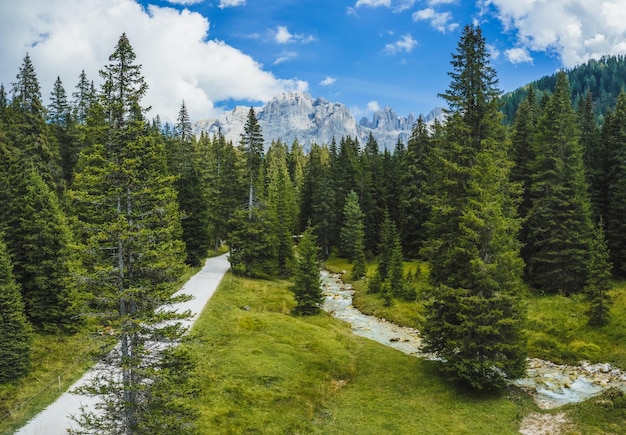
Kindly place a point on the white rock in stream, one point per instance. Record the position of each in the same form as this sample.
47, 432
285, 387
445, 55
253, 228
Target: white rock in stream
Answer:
551, 385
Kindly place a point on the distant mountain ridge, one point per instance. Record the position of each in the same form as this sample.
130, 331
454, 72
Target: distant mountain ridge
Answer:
603, 78
296, 115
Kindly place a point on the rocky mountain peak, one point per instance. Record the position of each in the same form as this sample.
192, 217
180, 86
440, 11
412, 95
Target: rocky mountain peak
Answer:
296, 115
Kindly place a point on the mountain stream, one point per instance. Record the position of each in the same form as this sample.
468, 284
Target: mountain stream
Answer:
551, 385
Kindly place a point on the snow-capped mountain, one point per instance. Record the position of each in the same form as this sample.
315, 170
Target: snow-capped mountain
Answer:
296, 115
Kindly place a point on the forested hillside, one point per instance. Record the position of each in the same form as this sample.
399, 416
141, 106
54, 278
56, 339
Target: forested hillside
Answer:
102, 206
603, 78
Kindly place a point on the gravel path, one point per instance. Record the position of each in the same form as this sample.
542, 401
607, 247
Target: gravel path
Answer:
55, 420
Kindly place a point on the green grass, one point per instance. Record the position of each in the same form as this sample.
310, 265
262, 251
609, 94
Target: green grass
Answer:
557, 327
263, 370
558, 330
57, 362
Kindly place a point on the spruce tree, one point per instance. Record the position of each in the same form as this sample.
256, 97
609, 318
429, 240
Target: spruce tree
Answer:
222, 176
559, 222
281, 203
63, 129
474, 320
253, 249
599, 280
306, 282
192, 191
317, 204
28, 129
15, 342
386, 240
3, 103
129, 218
359, 268
395, 273
353, 228
523, 157
371, 192
252, 145
414, 183
38, 236
296, 161
594, 156
82, 98
614, 133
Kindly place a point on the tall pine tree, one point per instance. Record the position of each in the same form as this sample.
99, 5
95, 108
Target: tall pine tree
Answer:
559, 229
474, 322
15, 340
306, 283
192, 190
126, 204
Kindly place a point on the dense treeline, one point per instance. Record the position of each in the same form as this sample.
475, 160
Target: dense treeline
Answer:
102, 208
602, 78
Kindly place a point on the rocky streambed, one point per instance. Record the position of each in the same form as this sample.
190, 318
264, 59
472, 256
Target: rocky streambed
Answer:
551, 385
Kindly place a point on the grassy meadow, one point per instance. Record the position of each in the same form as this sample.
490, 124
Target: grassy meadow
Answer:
262, 370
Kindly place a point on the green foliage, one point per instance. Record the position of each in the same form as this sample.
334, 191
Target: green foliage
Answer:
414, 181
15, 340
185, 164
599, 280
252, 248
559, 222
372, 191
306, 281
27, 128
221, 173
281, 202
478, 343
474, 320
39, 239
614, 137
602, 78
353, 228
251, 144
318, 201
375, 283
360, 265
129, 221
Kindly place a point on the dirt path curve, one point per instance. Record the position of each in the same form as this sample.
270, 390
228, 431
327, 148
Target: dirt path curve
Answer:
55, 420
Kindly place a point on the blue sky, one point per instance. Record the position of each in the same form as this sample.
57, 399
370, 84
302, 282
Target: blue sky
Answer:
364, 53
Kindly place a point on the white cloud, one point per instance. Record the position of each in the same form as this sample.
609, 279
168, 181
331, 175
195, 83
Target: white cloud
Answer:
406, 44
493, 51
403, 5
373, 3
441, 2
285, 56
178, 61
576, 30
373, 106
328, 81
184, 2
396, 6
231, 3
438, 20
282, 35
518, 55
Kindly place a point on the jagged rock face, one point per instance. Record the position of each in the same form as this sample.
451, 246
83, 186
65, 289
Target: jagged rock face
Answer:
296, 115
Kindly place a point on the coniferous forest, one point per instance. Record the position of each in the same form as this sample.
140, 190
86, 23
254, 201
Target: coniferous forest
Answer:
104, 208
